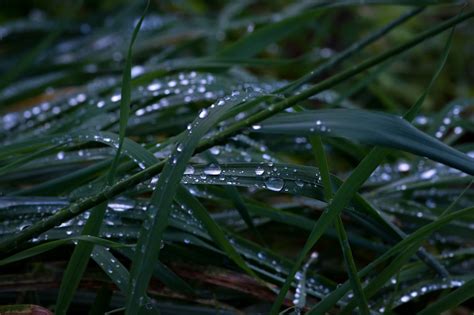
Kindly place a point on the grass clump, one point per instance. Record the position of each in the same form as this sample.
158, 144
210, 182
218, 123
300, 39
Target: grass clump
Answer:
241, 157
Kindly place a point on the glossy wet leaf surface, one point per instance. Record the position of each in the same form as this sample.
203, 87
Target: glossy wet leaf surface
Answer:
176, 165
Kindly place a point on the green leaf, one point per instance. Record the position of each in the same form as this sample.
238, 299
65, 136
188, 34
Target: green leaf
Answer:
369, 127
42, 248
81, 254
148, 247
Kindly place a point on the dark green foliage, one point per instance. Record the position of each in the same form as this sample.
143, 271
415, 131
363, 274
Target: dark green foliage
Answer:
241, 157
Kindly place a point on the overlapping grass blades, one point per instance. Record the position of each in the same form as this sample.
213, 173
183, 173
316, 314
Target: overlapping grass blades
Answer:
148, 246
210, 198
353, 183
80, 257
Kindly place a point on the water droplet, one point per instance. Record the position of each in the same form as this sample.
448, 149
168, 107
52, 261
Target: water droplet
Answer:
189, 170
405, 299
259, 171
154, 86
428, 174
116, 98
403, 167
215, 150
203, 113
212, 169
274, 183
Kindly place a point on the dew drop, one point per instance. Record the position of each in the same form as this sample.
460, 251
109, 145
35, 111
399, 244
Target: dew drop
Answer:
189, 170
116, 98
212, 169
259, 171
274, 183
215, 150
203, 113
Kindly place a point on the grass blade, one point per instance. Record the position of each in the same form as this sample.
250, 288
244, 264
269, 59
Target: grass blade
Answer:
451, 300
80, 257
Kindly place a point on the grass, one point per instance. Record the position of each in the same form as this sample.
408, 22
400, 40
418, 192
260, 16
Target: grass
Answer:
189, 159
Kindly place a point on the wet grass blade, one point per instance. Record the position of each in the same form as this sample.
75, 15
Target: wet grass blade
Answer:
75, 209
451, 300
321, 159
391, 131
45, 247
148, 247
79, 259
188, 201
415, 239
82, 252
347, 190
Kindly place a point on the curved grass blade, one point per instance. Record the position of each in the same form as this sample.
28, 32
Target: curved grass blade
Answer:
148, 247
45, 247
82, 252
234, 195
451, 300
298, 180
165, 275
77, 208
414, 239
188, 201
368, 127
112, 267
349, 188
321, 159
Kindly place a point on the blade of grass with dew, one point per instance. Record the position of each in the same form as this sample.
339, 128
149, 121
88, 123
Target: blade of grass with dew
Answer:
234, 195
321, 159
395, 265
77, 208
297, 180
45, 247
82, 252
451, 300
188, 201
415, 239
114, 269
391, 131
347, 190
164, 274
148, 246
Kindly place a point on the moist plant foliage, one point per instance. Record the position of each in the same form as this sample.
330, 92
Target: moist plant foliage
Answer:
241, 157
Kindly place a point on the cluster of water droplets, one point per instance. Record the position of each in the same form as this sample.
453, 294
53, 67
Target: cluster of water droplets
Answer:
264, 175
299, 298
451, 117
38, 119
410, 294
